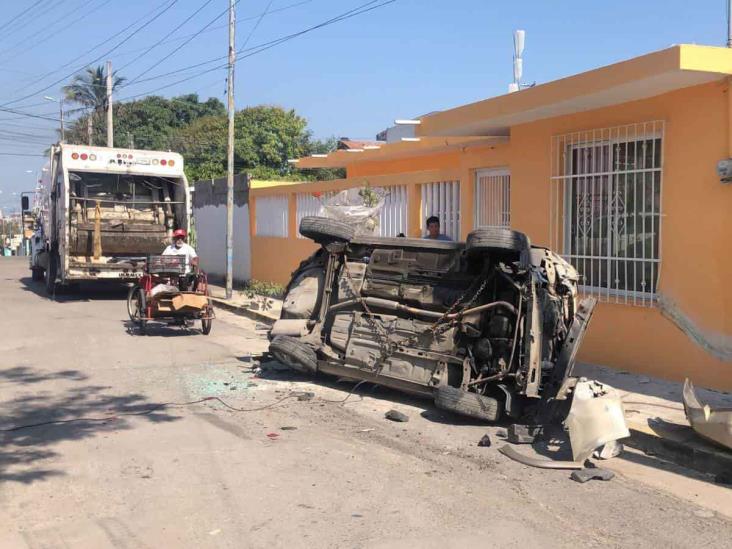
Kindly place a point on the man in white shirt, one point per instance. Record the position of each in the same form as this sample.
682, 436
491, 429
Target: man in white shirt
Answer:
179, 247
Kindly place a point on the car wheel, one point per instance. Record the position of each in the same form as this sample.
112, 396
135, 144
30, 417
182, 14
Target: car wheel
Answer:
325, 231
467, 404
496, 238
294, 353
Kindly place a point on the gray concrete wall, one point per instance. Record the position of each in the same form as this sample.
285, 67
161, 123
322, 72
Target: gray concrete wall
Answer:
209, 214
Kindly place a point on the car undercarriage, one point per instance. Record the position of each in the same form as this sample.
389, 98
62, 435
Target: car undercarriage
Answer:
488, 328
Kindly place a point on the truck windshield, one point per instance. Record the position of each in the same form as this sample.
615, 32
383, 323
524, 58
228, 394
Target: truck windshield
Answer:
139, 191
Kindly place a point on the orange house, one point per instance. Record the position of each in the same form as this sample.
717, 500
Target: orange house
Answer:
615, 168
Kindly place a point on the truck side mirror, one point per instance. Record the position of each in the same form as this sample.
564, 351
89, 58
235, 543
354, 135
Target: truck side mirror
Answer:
24, 203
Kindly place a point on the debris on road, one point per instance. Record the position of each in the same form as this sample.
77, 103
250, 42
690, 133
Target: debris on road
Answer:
591, 473
288, 428
395, 415
523, 434
714, 425
485, 441
273, 436
303, 396
609, 450
540, 463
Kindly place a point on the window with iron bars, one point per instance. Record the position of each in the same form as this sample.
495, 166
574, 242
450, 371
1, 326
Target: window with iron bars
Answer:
606, 209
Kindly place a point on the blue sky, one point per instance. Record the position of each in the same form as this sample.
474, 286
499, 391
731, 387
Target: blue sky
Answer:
348, 79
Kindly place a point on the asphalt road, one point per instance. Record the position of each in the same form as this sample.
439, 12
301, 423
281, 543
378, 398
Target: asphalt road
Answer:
311, 473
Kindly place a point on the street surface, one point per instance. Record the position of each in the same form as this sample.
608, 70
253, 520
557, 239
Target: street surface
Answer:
329, 474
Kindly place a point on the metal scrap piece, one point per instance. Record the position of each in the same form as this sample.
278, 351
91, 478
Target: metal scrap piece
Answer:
714, 425
592, 473
541, 463
595, 418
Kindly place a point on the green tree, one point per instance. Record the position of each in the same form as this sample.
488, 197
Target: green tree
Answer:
265, 137
89, 89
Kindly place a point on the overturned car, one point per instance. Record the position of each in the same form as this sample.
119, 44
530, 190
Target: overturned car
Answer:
489, 327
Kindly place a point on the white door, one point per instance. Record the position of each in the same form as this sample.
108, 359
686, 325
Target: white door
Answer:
493, 198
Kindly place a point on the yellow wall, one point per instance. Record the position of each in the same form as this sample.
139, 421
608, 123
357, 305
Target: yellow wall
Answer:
696, 263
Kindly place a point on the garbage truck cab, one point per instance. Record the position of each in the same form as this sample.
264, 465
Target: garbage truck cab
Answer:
103, 210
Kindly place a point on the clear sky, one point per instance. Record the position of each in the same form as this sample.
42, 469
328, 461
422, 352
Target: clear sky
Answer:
350, 79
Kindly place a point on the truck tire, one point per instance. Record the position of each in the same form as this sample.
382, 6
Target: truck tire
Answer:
51, 273
294, 353
325, 231
467, 404
37, 274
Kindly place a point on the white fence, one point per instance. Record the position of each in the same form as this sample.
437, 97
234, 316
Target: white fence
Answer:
606, 208
443, 200
393, 216
493, 198
272, 215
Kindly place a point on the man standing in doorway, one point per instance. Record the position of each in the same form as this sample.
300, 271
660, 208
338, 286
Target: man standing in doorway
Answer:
433, 229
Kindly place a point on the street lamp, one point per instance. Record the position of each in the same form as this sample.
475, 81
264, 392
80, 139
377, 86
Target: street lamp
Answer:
61, 112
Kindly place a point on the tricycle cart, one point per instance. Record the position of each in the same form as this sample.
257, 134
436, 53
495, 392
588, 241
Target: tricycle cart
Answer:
168, 293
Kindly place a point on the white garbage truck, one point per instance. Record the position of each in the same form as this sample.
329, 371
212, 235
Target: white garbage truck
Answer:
101, 211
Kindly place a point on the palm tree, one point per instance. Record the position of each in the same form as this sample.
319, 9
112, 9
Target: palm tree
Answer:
89, 89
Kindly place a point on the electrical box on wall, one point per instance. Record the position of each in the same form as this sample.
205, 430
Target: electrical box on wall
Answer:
724, 170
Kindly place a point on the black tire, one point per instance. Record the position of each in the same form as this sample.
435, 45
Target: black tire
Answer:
497, 238
467, 404
137, 307
37, 274
207, 323
294, 353
51, 273
325, 231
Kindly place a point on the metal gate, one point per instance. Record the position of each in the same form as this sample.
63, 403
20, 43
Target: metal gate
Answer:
493, 198
443, 200
393, 216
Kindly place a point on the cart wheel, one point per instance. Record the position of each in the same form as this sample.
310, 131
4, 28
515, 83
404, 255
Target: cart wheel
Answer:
207, 323
137, 307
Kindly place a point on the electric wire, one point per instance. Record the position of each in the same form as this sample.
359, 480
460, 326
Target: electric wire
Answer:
154, 408
15, 18
97, 46
102, 56
255, 50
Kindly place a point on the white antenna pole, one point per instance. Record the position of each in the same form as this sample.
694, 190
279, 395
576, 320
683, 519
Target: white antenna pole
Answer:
519, 37
729, 23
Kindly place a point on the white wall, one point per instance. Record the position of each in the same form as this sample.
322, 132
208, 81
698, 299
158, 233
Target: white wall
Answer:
211, 241
209, 215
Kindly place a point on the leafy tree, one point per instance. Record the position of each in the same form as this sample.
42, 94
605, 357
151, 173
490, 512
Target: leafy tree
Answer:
89, 89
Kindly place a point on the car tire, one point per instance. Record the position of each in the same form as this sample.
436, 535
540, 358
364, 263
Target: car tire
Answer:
467, 404
497, 238
294, 353
325, 231
37, 274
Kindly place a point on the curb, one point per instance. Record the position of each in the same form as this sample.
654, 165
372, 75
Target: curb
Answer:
243, 311
682, 447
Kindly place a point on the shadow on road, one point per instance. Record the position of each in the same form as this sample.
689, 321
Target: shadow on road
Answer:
27, 455
159, 329
85, 291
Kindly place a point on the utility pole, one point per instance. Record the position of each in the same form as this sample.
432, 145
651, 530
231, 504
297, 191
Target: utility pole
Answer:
230, 156
130, 140
110, 121
61, 117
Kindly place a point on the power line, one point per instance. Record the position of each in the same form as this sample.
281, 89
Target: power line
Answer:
21, 154
99, 45
30, 20
102, 56
50, 34
156, 44
13, 19
254, 50
188, 41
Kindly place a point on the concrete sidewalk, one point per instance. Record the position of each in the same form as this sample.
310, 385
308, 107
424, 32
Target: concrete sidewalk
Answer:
241, 304
653, 407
